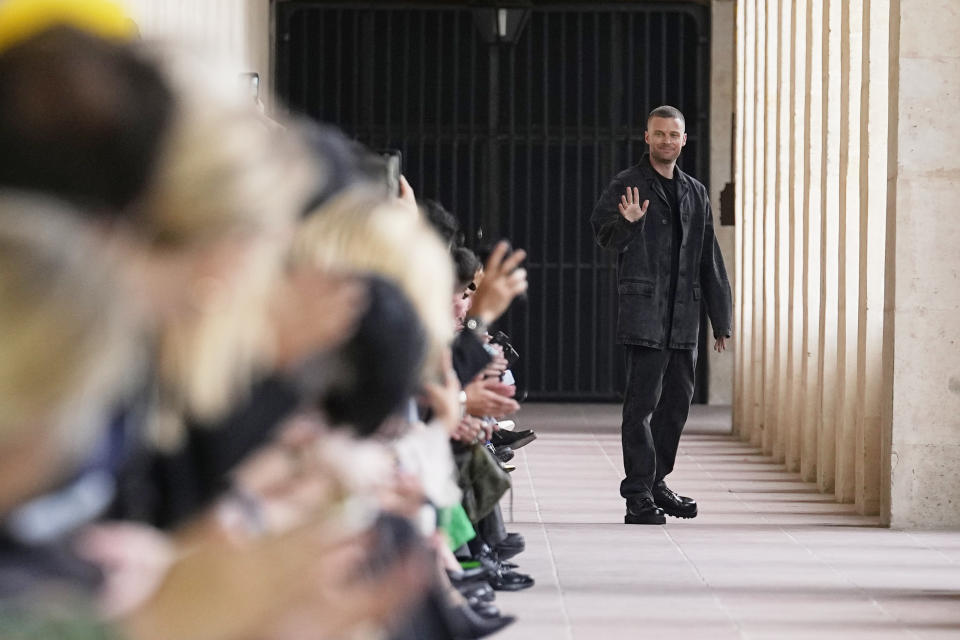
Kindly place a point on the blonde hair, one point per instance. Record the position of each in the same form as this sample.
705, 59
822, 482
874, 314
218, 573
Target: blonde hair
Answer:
69, 330
223, 175
222, 166
359, 231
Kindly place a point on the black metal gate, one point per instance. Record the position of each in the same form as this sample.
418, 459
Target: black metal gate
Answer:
515, 119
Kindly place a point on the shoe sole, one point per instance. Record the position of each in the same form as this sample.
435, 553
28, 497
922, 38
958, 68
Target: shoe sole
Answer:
628, 520
522, 442
514, 587
678, 514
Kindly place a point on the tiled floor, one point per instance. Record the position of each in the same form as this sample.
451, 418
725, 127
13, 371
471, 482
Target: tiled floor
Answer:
768, 557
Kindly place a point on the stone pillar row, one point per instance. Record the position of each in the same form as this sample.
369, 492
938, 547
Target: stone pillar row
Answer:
811, 211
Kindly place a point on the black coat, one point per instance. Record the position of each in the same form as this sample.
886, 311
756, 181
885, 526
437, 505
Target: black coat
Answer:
645, 259
469, 356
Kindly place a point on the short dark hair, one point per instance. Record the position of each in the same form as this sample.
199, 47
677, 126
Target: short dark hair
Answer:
666, 111
467, 264
443, 222
377, 368
80, 117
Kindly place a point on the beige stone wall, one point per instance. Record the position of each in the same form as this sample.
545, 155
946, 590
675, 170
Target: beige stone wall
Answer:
722, 84
811, 142
924, 267
236, 31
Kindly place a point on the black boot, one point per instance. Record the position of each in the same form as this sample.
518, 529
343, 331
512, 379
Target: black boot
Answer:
643, 511
672, 503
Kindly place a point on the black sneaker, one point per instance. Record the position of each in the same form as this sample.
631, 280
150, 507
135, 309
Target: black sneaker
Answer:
510, 581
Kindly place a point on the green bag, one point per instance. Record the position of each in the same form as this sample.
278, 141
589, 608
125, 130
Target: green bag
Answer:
482, 481
453, 521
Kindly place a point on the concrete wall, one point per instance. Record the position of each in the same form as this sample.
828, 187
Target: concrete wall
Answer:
924, 267
237, 31
722, 85
847, 169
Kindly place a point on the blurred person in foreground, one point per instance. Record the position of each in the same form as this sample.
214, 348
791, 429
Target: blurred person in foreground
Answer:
203, 223
71, 335
202, 240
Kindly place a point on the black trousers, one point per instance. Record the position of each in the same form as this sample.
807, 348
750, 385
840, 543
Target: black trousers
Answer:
659, 391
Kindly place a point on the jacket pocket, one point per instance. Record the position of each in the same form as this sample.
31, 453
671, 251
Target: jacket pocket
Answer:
639, 316
636, 287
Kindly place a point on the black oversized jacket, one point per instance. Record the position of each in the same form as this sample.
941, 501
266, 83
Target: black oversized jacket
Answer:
645, 258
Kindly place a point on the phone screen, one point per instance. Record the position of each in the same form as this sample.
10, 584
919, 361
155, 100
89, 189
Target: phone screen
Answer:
250, 84
394, 167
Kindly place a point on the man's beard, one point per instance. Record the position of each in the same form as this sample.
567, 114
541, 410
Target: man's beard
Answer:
659, 157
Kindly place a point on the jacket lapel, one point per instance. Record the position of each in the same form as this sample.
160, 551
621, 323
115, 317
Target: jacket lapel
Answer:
683, 185
649, 174
683, 192
658, 189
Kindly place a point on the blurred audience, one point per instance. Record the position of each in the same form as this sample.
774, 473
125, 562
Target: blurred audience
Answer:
244, 391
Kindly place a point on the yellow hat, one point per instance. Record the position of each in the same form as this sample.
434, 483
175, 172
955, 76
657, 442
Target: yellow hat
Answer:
23, 19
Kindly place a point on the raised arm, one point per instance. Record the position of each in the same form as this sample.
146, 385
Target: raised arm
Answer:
618, 216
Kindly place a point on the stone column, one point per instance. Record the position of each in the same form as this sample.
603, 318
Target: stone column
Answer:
722, 86
830, 232
740, 327
781, 180
755, 183
745, 197
873, 220
812, 204
923, 266
797, 150
769, 214
849, 249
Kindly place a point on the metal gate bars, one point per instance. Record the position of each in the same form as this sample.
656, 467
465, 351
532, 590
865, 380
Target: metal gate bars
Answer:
515, 119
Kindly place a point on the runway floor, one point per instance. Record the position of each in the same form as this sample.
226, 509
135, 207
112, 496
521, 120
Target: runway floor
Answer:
768, 557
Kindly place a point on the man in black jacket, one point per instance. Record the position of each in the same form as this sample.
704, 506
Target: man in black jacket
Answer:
658, 220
